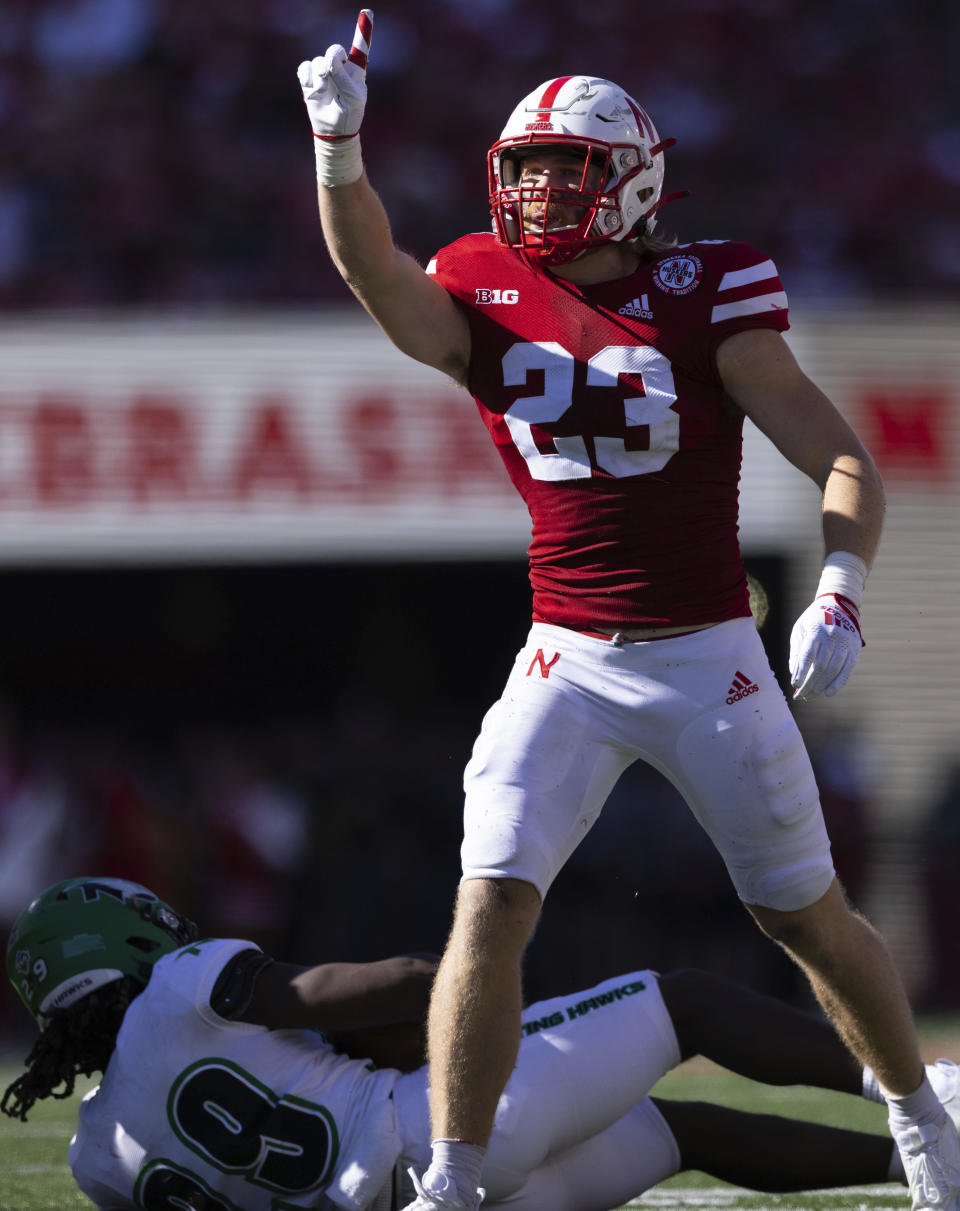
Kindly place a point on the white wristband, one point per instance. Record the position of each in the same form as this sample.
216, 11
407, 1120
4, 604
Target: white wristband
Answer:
338, 160
843, 573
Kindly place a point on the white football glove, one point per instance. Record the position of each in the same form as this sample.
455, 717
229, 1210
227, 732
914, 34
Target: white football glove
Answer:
335, 93
334, 87
825, 646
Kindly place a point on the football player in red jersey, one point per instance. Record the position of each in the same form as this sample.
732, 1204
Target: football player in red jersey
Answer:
613, 371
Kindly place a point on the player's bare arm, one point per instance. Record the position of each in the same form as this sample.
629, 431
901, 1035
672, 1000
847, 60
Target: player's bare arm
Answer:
400, 1045
411, 307
341, 996
414, 310
762, 377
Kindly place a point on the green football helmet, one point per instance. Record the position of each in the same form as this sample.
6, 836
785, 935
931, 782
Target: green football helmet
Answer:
84, 933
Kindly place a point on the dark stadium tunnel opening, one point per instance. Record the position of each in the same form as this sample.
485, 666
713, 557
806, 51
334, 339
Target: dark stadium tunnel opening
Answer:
146, 649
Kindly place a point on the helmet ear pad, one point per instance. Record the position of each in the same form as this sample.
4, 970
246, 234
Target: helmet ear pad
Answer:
597, 120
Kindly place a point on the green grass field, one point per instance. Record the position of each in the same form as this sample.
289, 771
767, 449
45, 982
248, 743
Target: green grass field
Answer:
34, 1174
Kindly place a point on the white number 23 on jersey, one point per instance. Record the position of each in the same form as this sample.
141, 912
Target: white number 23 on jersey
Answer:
572, 459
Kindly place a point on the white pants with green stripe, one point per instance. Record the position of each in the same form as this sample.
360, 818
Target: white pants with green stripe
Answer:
575, 1129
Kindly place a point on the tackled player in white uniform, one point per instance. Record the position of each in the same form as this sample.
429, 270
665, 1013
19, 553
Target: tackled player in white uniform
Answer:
218, 1092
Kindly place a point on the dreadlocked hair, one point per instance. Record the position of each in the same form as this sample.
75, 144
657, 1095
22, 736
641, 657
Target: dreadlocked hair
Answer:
77, 1041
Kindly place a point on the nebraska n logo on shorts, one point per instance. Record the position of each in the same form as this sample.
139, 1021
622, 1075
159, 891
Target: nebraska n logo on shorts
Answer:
545, 665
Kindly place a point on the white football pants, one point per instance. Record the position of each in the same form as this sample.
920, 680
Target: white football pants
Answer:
704, 709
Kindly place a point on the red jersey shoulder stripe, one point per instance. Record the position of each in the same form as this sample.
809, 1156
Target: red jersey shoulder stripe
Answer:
776, 300
746, 277
755, 289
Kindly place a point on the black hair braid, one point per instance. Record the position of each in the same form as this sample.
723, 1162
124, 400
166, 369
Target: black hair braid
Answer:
78, 1040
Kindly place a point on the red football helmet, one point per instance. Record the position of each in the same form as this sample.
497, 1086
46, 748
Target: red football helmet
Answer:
579, 123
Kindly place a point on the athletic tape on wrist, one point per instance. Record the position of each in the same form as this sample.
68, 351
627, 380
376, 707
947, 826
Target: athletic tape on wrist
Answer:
844, 575
339, 161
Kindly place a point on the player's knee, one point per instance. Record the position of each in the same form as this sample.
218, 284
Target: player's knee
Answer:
688, 1122
688, 994
498, 896
819, 935
497, 912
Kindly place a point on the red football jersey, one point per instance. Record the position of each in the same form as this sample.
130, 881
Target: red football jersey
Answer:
607, 409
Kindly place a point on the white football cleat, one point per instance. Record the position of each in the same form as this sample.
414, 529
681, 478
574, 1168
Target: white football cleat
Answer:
931, 1160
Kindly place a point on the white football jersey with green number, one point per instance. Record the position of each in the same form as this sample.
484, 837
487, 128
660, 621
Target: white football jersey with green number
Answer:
254, 1119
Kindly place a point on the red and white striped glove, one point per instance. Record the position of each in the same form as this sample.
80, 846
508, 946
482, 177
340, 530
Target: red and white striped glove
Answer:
334, 87
826, 640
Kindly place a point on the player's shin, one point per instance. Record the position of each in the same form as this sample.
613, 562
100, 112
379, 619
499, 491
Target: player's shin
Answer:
766, 1152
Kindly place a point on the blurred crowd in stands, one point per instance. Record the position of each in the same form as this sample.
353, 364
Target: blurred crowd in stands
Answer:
155, 152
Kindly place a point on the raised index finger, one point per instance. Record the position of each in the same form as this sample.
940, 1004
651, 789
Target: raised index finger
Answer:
361, 39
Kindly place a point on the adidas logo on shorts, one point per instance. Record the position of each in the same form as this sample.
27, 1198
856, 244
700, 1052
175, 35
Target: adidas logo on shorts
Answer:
742, 687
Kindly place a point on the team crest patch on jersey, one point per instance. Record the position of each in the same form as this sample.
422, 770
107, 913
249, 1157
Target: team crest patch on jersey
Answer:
678, 274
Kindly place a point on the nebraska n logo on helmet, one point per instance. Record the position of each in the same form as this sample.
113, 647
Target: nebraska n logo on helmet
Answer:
622, 170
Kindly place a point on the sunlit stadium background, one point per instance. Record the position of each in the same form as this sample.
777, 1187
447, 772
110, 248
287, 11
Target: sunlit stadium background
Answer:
260, 575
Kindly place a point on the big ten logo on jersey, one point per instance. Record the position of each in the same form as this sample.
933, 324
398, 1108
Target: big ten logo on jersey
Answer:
490, 295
